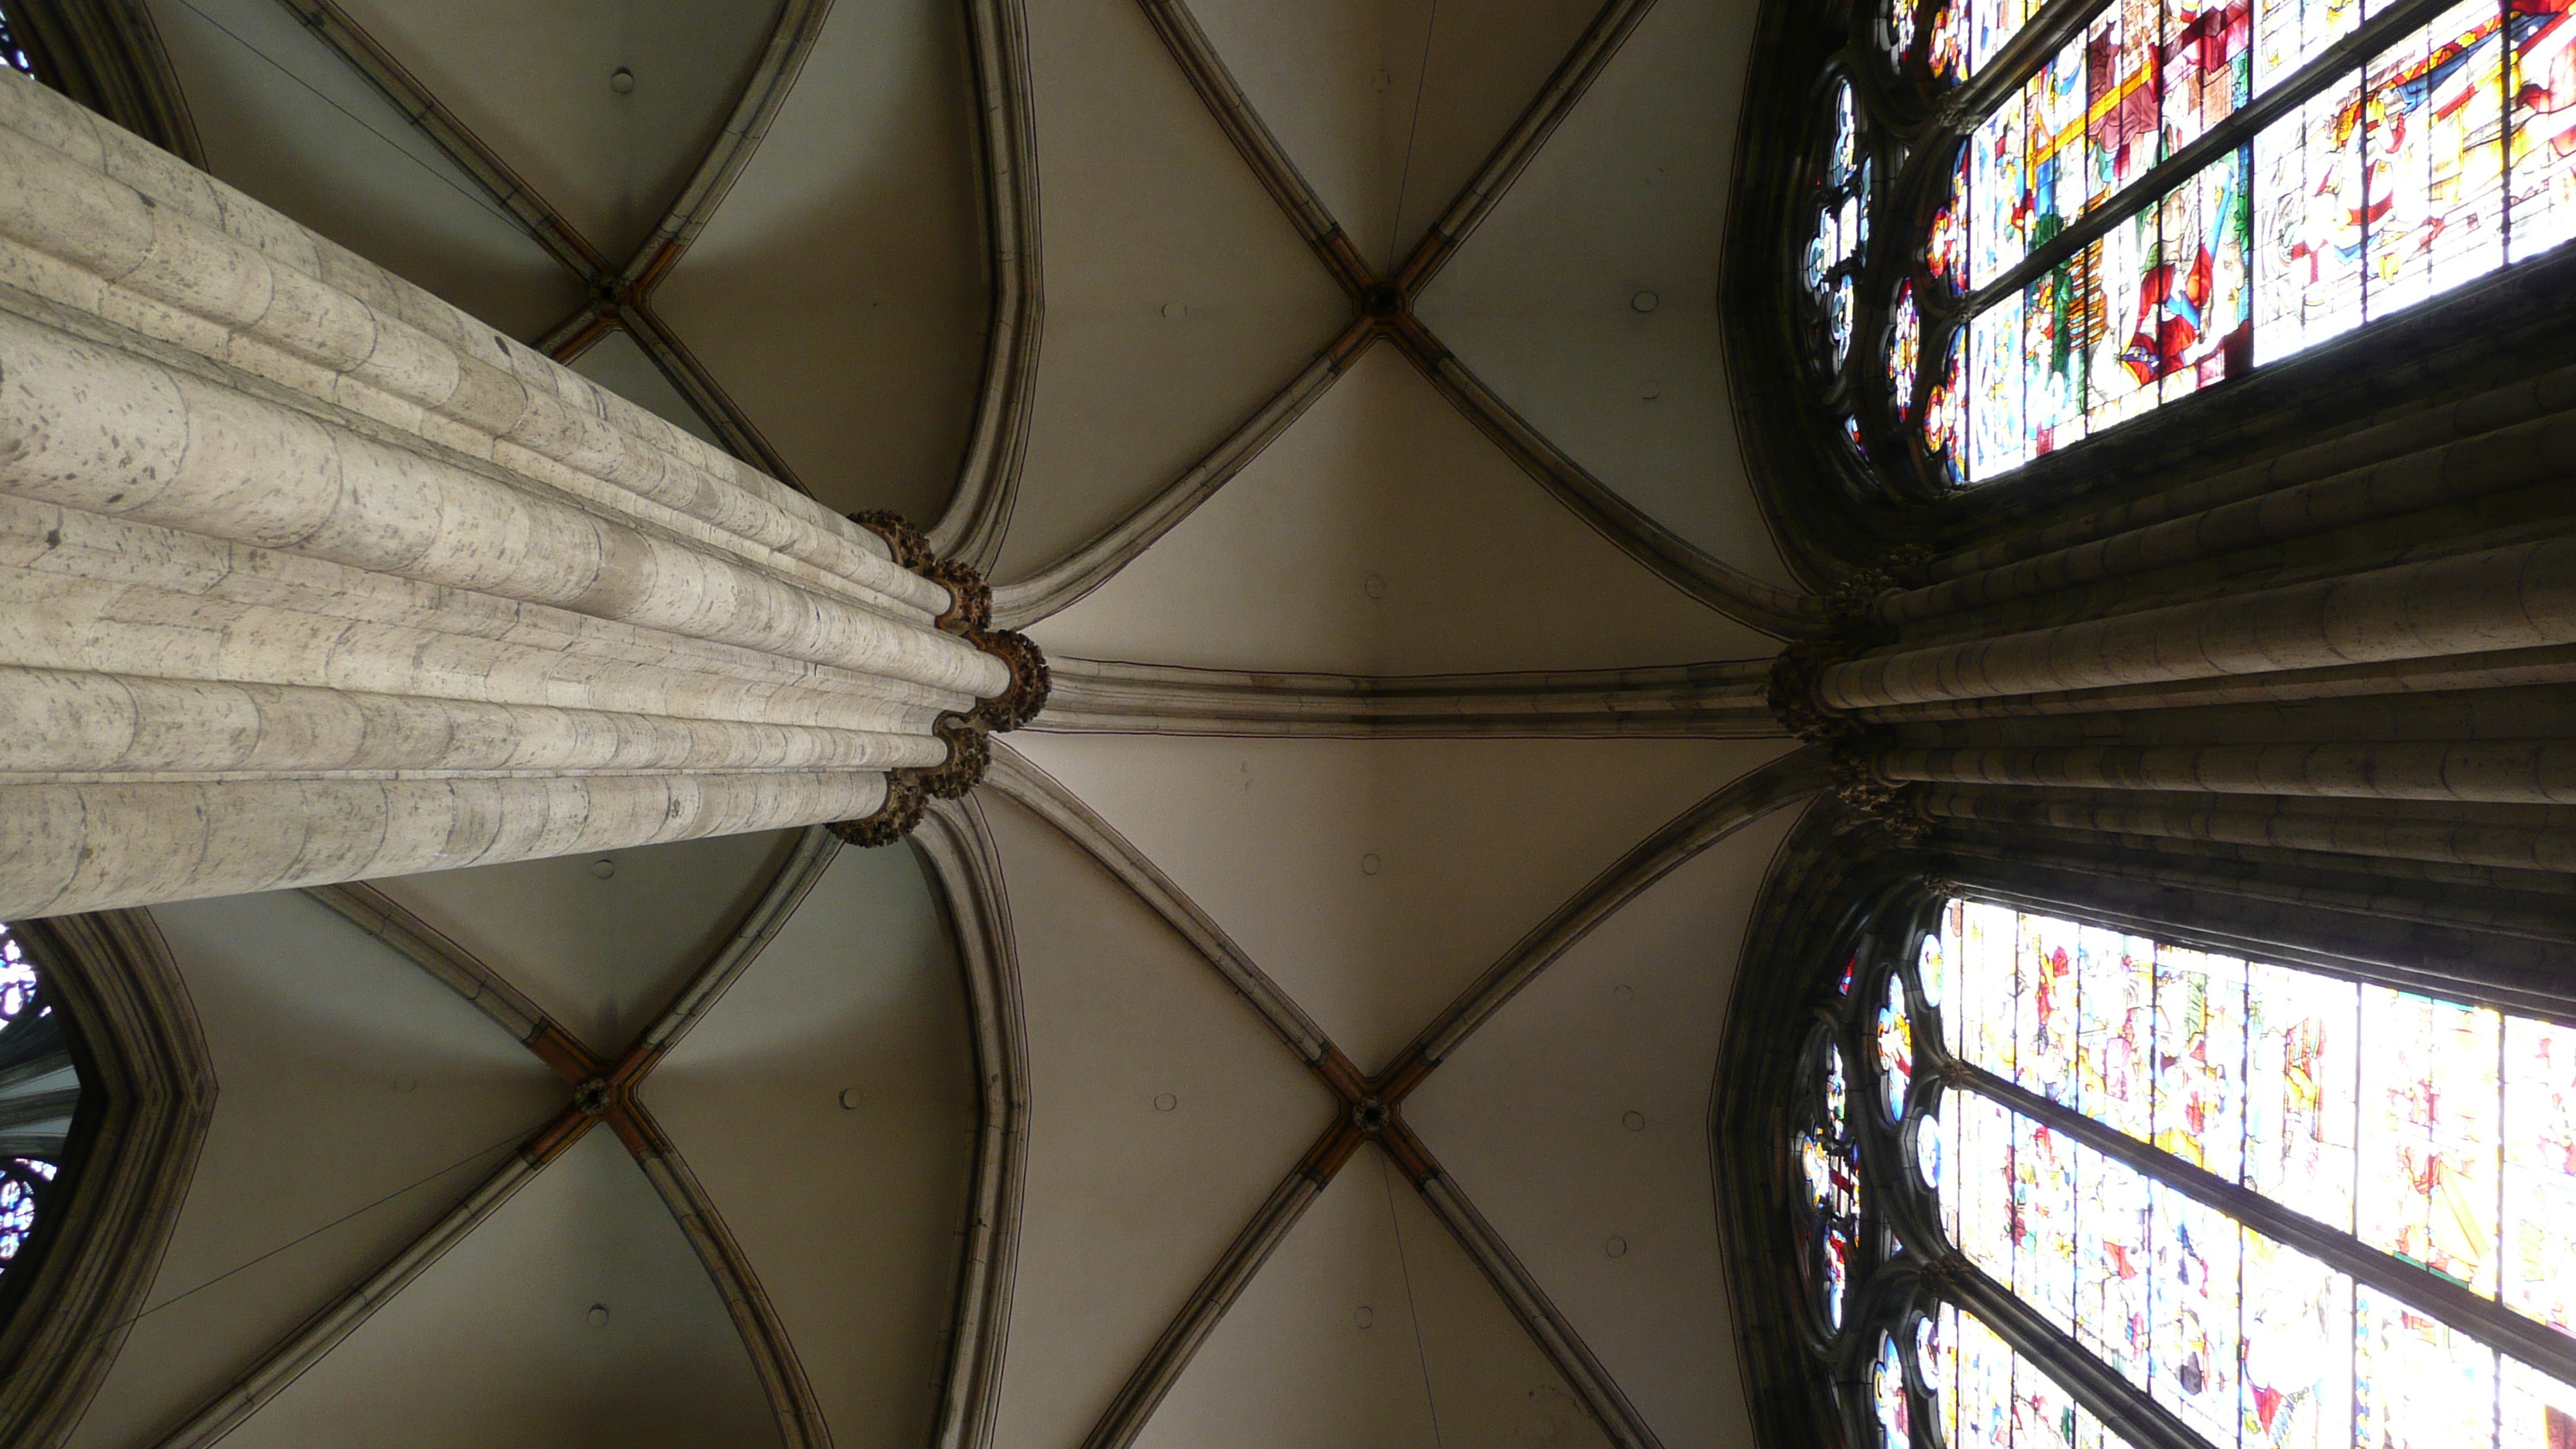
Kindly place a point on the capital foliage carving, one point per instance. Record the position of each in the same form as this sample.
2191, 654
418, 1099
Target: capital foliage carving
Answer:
969, 616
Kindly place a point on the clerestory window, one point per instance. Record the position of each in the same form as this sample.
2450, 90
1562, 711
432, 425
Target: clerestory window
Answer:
40, 1091
2076, 1187
2083, 212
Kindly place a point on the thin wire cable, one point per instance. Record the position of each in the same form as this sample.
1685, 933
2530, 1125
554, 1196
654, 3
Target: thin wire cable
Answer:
514, 223
515, 1137
1421, 1355
1404, 178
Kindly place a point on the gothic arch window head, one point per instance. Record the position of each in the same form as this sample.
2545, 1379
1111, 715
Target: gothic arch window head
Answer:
2114, 1187
40, 1092
2028, 224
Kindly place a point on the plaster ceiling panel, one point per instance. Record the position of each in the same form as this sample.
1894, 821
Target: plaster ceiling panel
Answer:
1386, 140
1382, 534
1612, 1212
602, 950
1626, 201
620, 364
848, 1208
496, 1344
1163, 1112
360, 1099
286, 120
840, 293
1369, 1326
1375, 879
1178, 297
533, 82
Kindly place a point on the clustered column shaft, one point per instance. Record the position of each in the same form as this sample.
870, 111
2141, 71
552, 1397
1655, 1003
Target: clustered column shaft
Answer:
308, 576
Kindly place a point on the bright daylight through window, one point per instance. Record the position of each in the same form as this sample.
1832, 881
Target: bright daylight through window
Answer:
2287, 1207
2103, 210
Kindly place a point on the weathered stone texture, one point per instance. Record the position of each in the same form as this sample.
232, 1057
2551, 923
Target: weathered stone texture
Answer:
309, 577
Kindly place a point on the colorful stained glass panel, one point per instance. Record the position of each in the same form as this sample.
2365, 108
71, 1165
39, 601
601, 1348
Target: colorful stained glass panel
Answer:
2115, 1030
2115, 1264
2209, 67
1895, 1046
2539, 1258
1983, 1209
2427, 1139
2203, 282
2308, 225
2301, 1073
2297, 1390
2123, 74
2045, 952
2416, 1384
2433, 165
2043, 1209
2193, 1359
2542, 163
1998, 429
2200, 1058
2537, 1411
2290, 33
1998, 197
1887, 1396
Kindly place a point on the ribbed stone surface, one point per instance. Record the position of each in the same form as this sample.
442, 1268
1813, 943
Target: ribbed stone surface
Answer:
306, 576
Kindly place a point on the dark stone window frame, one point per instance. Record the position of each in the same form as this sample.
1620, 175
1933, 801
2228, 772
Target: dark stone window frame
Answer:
1834, 510
1843, 893
148, 1096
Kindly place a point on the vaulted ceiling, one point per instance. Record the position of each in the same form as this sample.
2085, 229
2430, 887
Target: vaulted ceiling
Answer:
1291, 347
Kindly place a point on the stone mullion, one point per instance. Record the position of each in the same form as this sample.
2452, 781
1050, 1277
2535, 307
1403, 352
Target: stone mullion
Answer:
2457, 1305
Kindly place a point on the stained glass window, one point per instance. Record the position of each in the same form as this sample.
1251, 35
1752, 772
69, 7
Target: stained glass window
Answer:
12, 54
1829, 1169
2121, 225
2279, 1206
37, 1075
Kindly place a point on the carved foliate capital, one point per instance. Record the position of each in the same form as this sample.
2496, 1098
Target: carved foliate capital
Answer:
1909, 564
970, 606
970, 752
1897, 806
1792, 694
911, 551
1030, 680
894, 819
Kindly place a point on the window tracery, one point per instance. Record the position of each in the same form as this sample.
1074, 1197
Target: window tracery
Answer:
2246, 1203
38, 1085
2088, 211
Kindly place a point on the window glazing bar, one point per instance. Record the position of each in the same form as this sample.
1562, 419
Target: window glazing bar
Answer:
2462, 1308
2028, 50
2333, 63
2123, 1407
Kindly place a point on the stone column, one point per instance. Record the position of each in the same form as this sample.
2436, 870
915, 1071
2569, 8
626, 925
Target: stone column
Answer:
306, 576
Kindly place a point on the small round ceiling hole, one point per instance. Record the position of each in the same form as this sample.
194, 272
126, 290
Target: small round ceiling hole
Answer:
598, 1315
1616, 1246
1370, 864
603, 868
849, 1099
1650, 391
1634, 1121
1645, 301
1364, 1315
1175, 311
1374, 586
1165, 1102
406, 1085
1623, 992
622, 81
